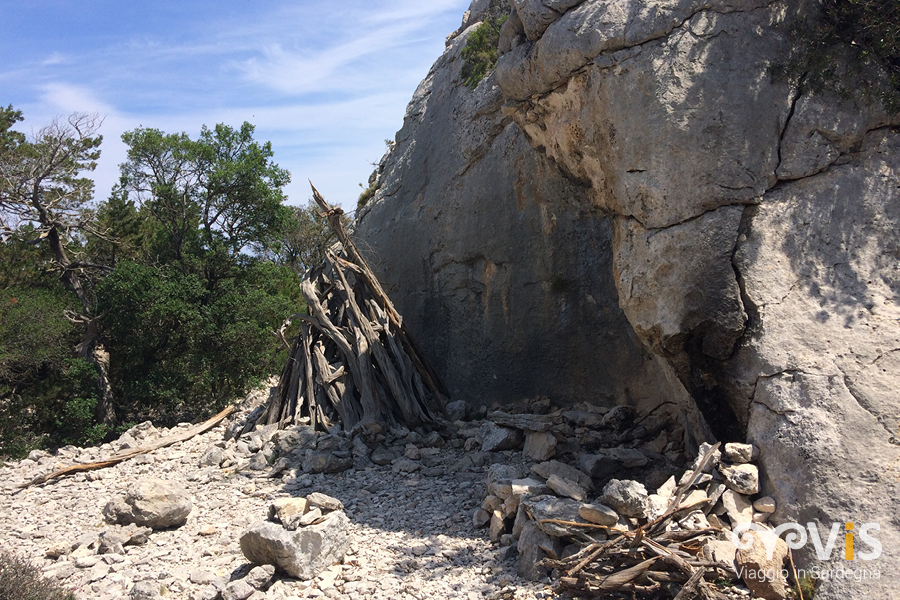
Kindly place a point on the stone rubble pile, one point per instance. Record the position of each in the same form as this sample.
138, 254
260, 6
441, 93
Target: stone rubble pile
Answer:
553, 511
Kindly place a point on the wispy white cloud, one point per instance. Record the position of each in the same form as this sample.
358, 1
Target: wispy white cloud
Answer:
297, 64
325, 84
56, 58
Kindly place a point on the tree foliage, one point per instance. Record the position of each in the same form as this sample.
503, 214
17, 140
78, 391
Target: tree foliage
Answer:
217, 194
305, 239
192, 303
176, 282
178, 345
864, 32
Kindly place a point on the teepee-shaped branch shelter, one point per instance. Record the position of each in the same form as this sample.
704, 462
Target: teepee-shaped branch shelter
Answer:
353, 360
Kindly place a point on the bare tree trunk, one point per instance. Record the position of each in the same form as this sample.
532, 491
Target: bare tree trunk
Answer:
89, 348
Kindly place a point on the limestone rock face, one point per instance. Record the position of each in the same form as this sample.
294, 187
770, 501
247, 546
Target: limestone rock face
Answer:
756, 234
630, 198
499, 261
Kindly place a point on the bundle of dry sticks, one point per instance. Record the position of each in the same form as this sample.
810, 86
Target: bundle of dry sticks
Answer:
353, 360
651, 562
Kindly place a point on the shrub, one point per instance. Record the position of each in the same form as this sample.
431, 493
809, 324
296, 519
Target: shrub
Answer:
868, 31
367, 194
46, 396
21, 580
806, 586
177, 345
481, 51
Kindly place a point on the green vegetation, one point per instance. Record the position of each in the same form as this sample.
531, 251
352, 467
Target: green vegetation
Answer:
866, 31
305, 239
368, 193
481, 51
21, 580
807, 584
159, 302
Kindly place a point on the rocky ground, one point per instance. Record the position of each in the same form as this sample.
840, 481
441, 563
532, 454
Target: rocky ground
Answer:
457, 514
412, 532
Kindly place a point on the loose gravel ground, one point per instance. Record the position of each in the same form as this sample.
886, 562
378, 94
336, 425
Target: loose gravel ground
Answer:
412, 532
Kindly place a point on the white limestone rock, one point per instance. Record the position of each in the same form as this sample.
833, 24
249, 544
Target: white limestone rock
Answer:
303, 553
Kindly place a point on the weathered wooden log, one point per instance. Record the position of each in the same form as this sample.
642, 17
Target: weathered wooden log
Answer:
180, 436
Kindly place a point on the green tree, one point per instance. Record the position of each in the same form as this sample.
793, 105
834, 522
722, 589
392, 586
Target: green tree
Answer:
192, 302
9, 138
43, 187
305, 238
218, 194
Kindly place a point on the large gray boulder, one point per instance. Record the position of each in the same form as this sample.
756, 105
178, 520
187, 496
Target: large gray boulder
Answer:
150, 503
303, 553
757, 234
500, 261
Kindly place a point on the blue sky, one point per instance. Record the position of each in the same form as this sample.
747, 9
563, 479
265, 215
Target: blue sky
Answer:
325, 82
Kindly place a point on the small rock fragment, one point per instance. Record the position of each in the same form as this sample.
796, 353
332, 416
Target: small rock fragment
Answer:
763, 575
145, 590
744, 479
495, 438
237, 590
498, 527
260, 576
741, 453
599, 514
456, 410
289, 511
564, 487
551, 467
324, 501
738, 508
481, 518
627, 497
539, 445
667, 490
766, 504
310, 517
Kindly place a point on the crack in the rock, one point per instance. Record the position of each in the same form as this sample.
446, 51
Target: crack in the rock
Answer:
892, 436
781, 182
770, 409
755, 400
700, 215
787, 121
751, 309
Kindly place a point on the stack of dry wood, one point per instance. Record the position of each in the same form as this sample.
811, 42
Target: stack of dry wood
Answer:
646, 564
652, 562
353, 360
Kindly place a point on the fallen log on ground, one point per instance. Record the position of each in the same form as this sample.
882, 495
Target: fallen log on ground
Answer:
181, 436
353, 361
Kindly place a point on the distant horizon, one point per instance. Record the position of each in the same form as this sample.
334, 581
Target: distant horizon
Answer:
326, 87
